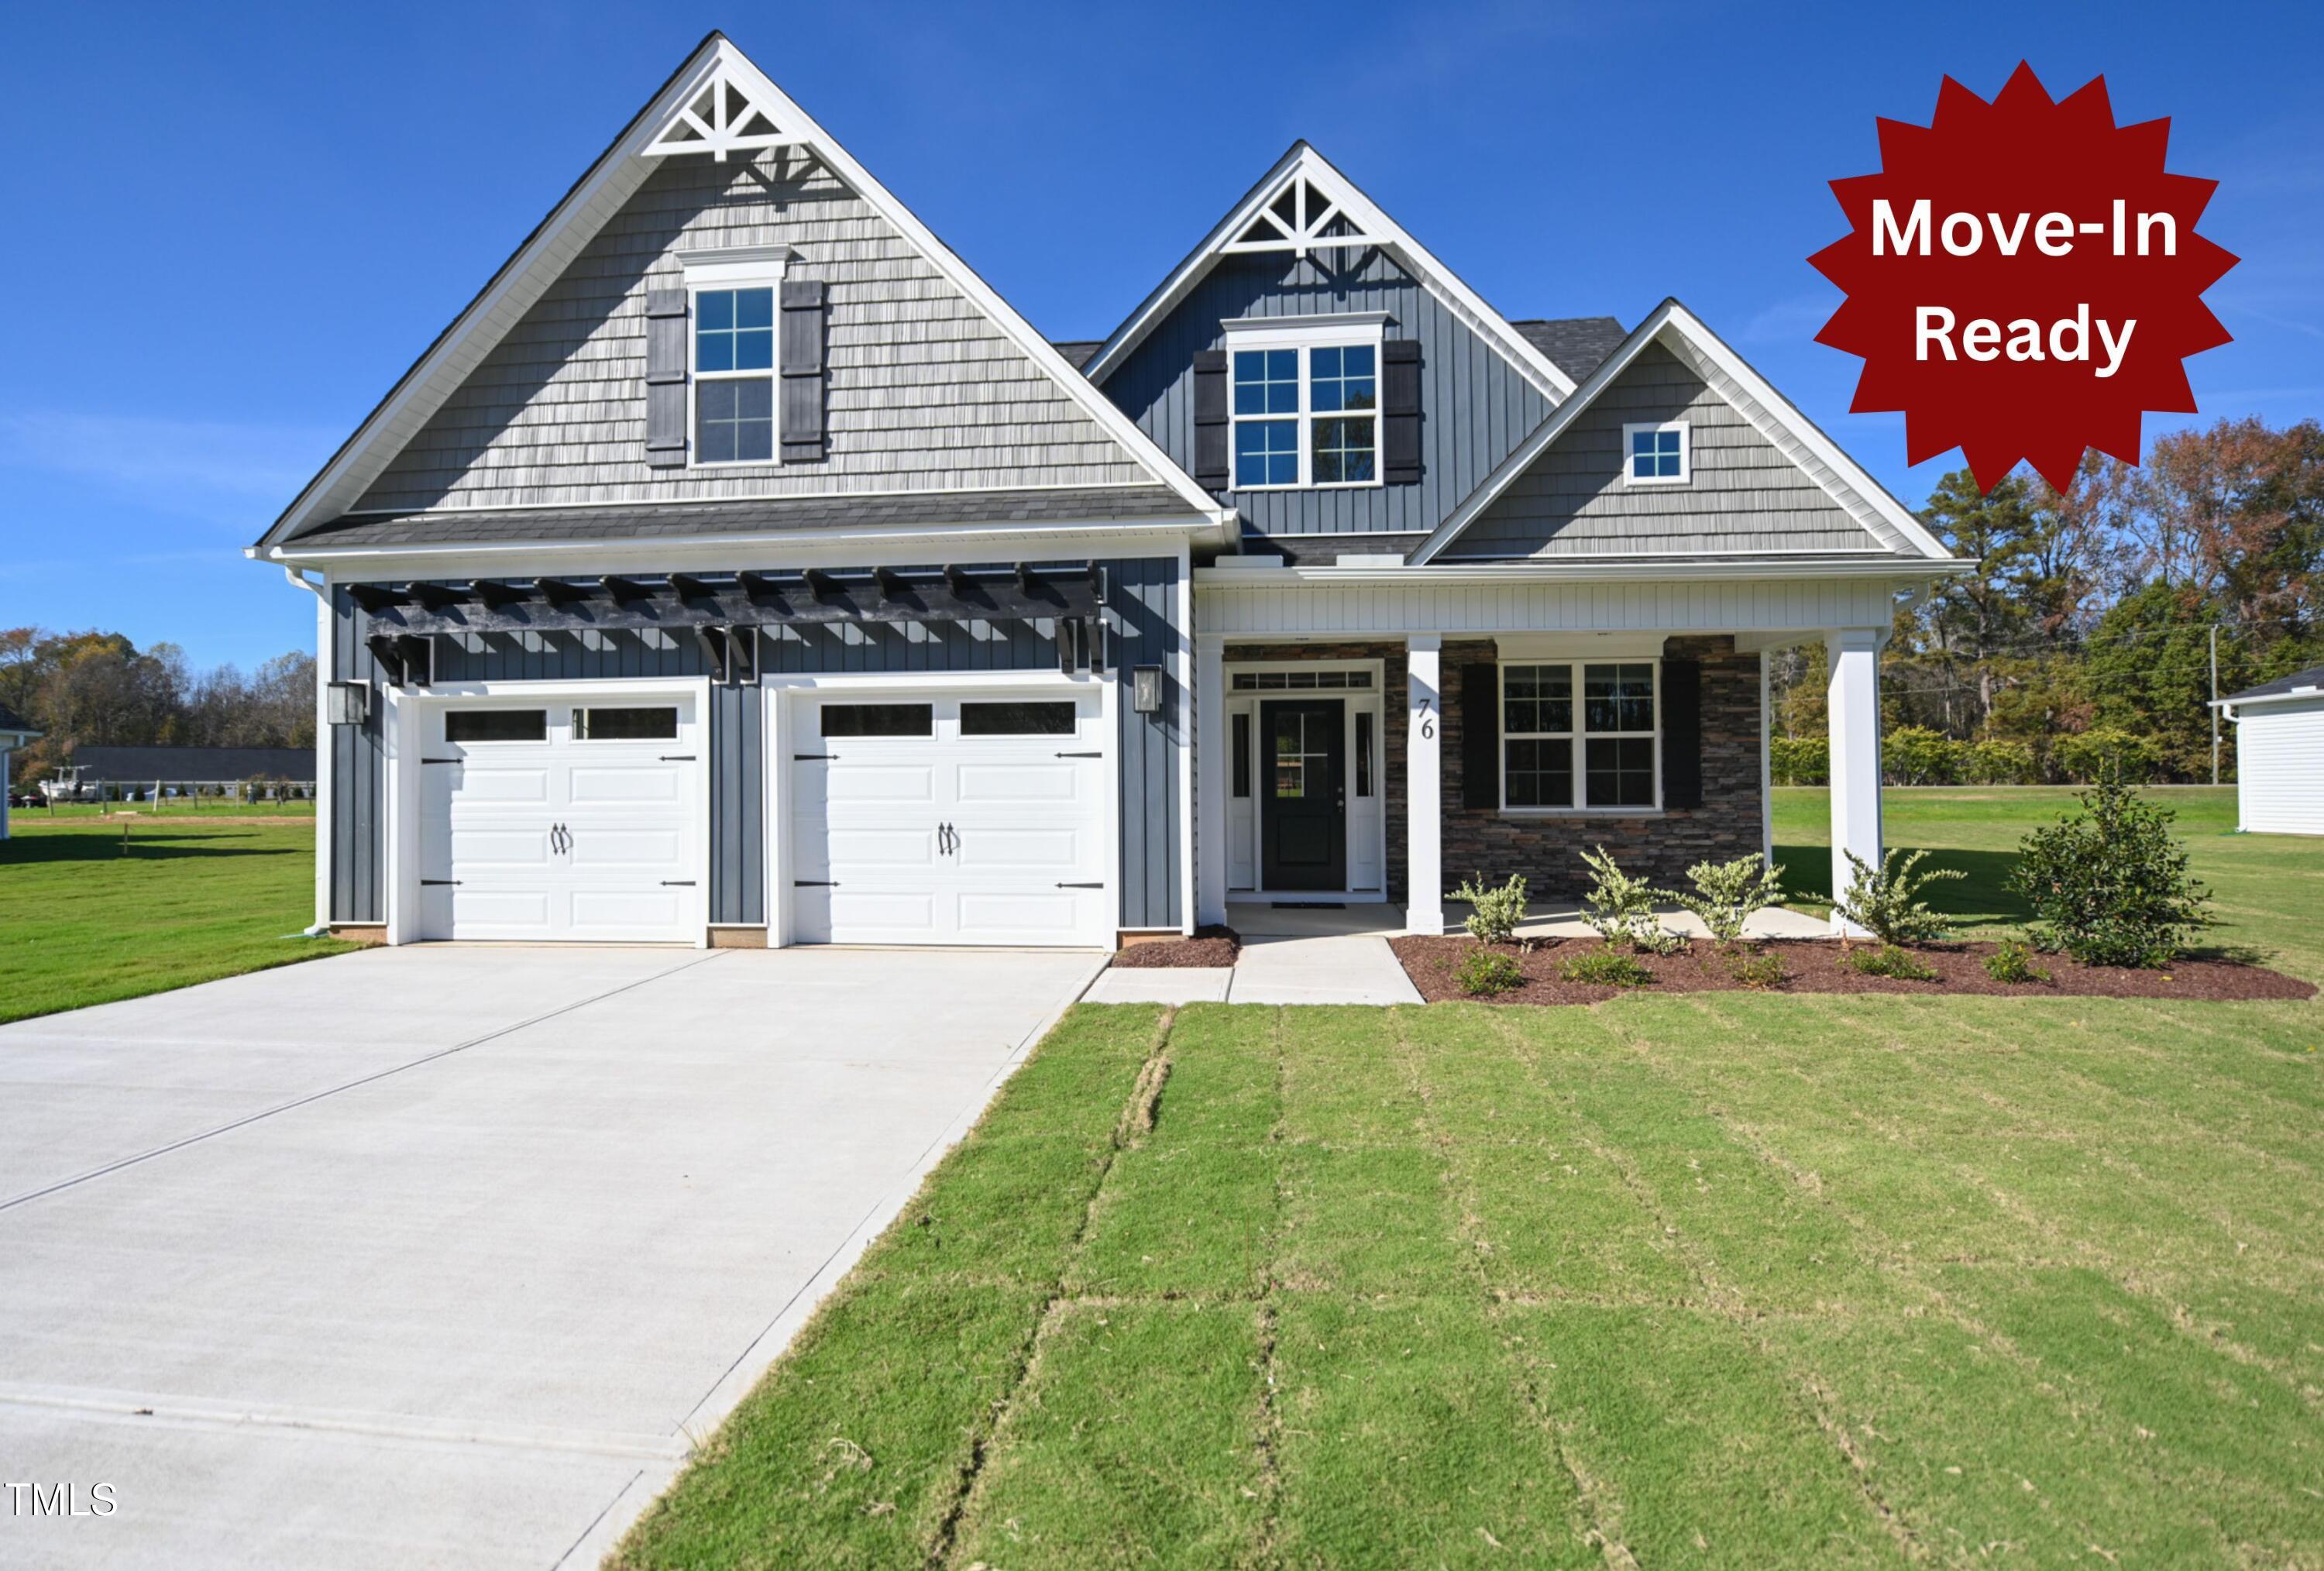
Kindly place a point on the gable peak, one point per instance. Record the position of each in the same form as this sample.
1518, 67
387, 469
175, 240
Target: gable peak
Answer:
1309, 210
721, 117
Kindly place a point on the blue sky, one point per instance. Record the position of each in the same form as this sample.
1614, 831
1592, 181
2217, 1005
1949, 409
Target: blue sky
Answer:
230, 231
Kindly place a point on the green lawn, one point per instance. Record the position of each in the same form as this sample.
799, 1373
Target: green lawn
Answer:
1721, 1281
82, 921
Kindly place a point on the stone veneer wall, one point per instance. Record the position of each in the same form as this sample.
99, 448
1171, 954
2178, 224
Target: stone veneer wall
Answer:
1392, 675
1548, 850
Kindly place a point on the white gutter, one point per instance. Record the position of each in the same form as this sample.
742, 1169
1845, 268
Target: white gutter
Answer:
1903, 569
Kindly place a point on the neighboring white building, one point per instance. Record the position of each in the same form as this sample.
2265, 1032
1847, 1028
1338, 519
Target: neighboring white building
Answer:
14, 734
2280, 754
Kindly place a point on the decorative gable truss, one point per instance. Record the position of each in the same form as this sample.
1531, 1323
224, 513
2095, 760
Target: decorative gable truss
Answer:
1305, 217
1302, 206
721, 118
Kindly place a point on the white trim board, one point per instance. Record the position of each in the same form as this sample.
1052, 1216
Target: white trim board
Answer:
1683, 334
1303, 163
586, 209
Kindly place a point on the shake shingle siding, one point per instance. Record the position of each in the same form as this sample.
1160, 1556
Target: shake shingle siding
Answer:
1475, 407
925, 393
1745, 495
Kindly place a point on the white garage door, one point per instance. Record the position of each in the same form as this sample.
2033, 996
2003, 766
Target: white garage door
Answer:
934, 818
576, 819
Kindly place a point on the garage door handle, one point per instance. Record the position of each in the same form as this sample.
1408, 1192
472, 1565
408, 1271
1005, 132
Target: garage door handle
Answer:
443, 760
814, 757
677, 883
677, 757
815, 883
1081, 756
437, 882
1081, 886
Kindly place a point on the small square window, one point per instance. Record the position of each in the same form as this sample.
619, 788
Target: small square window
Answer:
1656, 454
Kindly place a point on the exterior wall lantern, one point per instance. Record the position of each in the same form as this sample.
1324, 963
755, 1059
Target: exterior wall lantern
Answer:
1146, 690
347, 703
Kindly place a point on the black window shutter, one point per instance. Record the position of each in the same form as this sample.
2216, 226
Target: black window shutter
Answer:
1480, 736
1400, 411
1682, 734
1211, 421
666, 378
803, 372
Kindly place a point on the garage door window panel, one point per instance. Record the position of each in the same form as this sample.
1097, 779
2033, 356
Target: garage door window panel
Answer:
473, 726
1037, 718
879, 719
656, 723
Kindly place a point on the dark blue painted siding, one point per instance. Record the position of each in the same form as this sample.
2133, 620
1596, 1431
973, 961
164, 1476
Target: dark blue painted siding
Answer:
1147, 606
1475, 405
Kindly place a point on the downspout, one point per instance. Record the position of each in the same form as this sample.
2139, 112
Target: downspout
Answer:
322, 593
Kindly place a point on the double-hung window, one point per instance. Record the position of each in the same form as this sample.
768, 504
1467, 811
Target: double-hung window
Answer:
1580, 734
734, 375
1305, 404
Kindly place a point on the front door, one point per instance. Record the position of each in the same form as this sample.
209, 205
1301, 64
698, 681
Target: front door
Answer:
1304, 825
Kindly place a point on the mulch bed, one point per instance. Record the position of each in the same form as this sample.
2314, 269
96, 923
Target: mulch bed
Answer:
1815, 965
1210, 945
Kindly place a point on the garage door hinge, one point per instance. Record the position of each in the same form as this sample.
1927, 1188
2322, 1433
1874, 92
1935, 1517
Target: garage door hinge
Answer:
815, 883
1081, 886
1081, 756
428, 882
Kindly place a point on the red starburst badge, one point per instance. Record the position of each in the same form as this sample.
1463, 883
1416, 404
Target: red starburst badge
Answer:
2023, 280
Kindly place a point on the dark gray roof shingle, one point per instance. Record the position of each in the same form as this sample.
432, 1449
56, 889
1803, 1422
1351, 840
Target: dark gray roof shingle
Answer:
1078, 352
2313, 676
680, 520
195, 763
1576, 345
12, 721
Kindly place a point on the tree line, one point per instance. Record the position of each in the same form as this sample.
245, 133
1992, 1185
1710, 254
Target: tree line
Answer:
99, 688
2082, 643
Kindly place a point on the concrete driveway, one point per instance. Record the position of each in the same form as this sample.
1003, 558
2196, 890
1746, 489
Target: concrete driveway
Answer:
441, 1256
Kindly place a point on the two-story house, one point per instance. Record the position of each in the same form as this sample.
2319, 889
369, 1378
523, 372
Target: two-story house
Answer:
739, 567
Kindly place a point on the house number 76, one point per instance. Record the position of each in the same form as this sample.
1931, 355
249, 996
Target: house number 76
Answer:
1427, 720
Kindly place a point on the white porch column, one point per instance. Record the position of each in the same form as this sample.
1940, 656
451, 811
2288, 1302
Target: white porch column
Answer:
1424, 817
1210, 778
1854, 700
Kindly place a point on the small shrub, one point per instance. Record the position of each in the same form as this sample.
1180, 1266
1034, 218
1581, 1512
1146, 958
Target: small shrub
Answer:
1725, 893
1886, 902
1758, 970
1799, 760
1494, 913
1888, 960
1995, 761
1485, 972
1916, 755
1621, 908
2104, 753
1607, 968
2109, 885
2012, 961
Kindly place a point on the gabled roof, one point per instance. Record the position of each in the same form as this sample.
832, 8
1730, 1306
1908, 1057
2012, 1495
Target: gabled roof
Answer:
689, 115
1281, 213
1776, 418
2307, 684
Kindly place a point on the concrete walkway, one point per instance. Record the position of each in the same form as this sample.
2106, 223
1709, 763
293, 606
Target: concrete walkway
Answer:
446, 1256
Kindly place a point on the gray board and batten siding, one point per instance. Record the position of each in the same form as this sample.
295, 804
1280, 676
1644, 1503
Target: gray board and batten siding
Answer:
1143, 617
924, 392
1475, 407
1744, 494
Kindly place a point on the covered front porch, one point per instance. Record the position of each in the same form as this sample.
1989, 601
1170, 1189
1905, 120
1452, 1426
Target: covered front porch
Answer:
1353, 769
